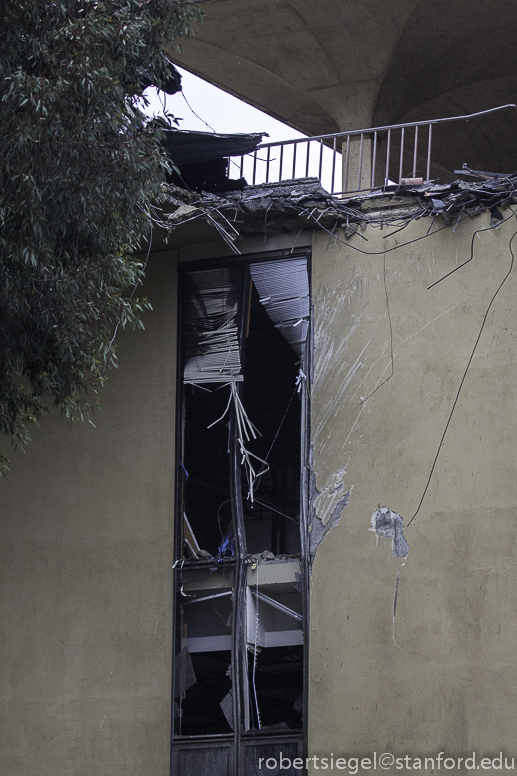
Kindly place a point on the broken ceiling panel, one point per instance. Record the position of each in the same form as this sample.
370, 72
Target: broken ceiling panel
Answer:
188, 146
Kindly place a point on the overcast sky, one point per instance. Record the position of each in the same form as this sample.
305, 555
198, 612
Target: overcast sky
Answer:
219, 109
201, 104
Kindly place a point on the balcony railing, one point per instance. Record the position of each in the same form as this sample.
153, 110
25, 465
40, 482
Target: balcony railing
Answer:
345, 162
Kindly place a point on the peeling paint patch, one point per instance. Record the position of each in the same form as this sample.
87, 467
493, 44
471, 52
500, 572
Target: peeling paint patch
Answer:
326, 501
319, 531
328, 506
390, 525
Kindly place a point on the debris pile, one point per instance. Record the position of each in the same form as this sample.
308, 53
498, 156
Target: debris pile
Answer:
292, 205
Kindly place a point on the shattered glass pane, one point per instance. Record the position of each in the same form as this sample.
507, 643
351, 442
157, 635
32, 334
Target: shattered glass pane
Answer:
184, 676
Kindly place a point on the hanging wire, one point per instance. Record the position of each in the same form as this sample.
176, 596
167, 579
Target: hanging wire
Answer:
194, 112
391, 339
465, 372
255, 655
246, 432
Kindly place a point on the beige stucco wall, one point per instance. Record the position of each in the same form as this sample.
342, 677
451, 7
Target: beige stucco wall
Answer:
451, 683
86, 525
85, 563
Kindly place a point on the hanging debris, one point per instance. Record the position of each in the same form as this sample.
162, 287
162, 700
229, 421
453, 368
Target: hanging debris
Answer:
302, 203
283, 287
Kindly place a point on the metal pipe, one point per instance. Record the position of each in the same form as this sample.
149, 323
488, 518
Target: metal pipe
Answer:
305, 468
206, 598
278, 605
239, 667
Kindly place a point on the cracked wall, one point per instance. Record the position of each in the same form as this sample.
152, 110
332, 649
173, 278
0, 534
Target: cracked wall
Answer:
382, 392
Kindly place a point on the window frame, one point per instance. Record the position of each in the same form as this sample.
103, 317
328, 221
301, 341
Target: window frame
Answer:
239, 740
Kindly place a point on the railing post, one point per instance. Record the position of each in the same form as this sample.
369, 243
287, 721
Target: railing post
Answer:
388, 152
374, 159
345, 151
429, 143
334, 155
357, 163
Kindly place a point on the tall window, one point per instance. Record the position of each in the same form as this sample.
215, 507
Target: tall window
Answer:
241, 518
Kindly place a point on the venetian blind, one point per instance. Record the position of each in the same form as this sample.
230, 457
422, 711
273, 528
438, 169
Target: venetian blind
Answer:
283, 288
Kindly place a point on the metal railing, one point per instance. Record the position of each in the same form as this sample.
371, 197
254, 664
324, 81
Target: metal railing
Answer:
344, 162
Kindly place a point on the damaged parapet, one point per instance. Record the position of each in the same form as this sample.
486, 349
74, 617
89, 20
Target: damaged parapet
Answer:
390, 525
302, 203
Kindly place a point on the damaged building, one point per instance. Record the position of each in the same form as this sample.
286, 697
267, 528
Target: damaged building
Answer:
291, 532
362, 413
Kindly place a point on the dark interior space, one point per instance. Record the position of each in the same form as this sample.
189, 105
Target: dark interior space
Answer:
201, 707
202, 158
207, 463
211, 176
269, 395
278, 679
278, 685
272, 403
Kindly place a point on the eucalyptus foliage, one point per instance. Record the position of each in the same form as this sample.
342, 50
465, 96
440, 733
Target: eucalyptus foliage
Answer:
80, 172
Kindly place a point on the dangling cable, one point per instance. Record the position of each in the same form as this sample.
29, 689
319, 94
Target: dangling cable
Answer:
465, 373
255, 655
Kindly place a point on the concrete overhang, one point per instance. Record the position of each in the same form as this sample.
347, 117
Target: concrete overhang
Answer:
347, 64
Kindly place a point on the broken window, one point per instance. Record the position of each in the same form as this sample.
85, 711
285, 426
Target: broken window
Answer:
241, 502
